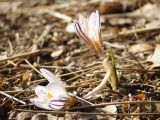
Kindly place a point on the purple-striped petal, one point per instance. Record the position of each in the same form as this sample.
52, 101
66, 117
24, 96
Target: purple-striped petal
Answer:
58, 100
60, 105
51, 107
56, 105
82, 35
90, 31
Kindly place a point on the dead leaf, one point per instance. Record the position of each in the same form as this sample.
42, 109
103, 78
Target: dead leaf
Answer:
110, 6
157, 105
150, 11
118, 6
33, 3
3, 55
110, 109
44, 116
154, 58
121, 21
140, 48
135, 118
153, 24
26, 77
139, 96
24, 115
2, 84
57, 53
83, 117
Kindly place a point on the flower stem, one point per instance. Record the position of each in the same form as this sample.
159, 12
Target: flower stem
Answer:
114, 65
112, 78
99, 87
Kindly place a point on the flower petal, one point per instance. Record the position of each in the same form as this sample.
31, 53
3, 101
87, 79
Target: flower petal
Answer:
94, 26
41, 92
57, 104
82, 35
79, 31
55, 107
98, 24
84, 24
92, 19
37, 102
57, 90
53, 96
49, 76
82, 20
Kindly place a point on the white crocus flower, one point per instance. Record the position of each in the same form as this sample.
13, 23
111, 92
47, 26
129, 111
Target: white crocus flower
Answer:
53, 96
90, 31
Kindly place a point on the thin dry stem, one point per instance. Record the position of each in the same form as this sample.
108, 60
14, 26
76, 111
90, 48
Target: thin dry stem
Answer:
12, 97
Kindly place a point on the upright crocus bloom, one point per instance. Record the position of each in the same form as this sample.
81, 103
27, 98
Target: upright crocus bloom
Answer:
90, 31
53, 96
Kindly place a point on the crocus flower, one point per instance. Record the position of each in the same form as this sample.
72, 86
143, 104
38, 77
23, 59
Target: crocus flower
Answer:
53, 96
90, 31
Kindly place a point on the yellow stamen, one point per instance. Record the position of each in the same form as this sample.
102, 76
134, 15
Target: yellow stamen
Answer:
50, 95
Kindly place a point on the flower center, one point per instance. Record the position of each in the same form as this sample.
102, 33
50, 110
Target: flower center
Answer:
49, 95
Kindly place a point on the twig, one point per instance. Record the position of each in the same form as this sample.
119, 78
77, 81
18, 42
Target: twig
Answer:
44, 33
130, 32
12, 97
41, 37
27, 54
137, 70
83, 70
121, 59
19, 75
115, 45
17, 91
32, 67
53, 7
81, 99
10, 46
73, 78
48, 67
111, 103
57, 14
87, 113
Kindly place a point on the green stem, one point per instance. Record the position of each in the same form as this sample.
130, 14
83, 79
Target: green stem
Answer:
113, 63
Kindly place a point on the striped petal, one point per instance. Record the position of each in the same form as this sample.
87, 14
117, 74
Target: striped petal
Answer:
90, 31
50, 97
37, 102
57, 104
82, 35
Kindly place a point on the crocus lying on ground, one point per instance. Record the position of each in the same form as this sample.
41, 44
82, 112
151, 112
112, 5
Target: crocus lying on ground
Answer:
90, 31
53, 96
